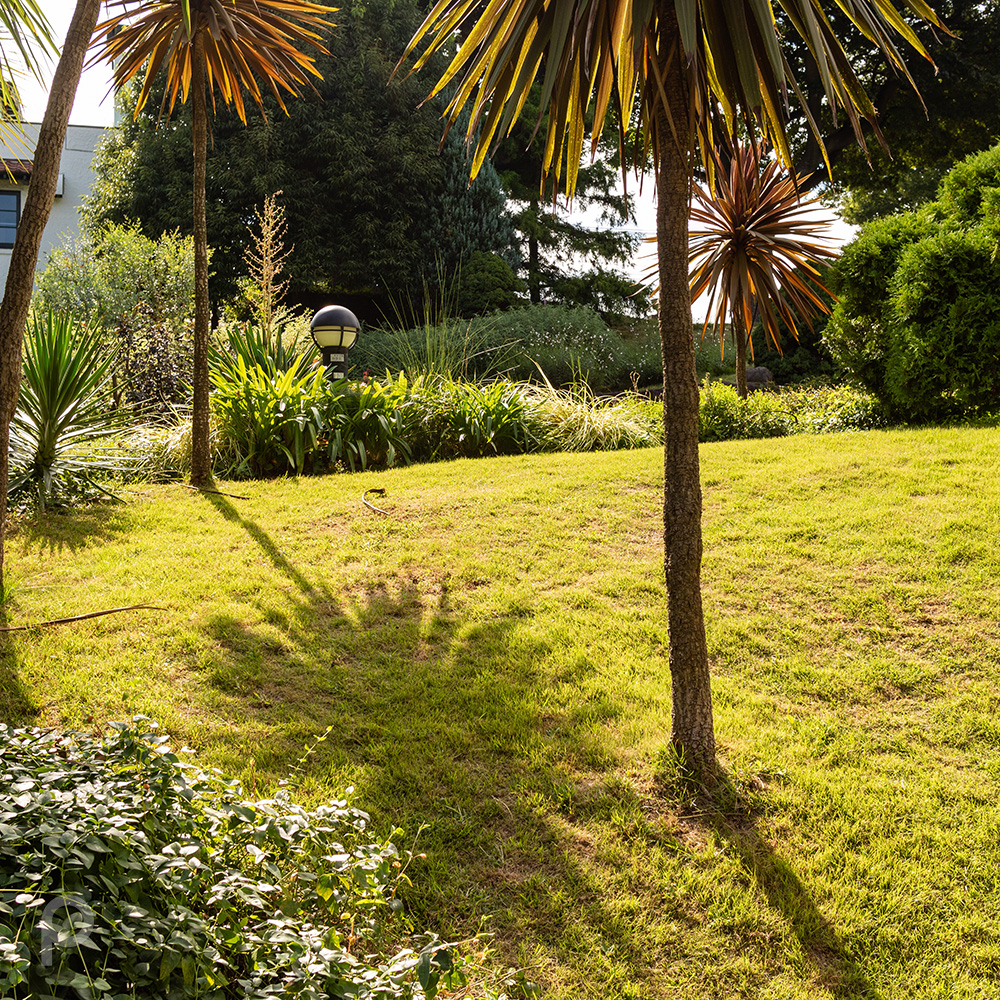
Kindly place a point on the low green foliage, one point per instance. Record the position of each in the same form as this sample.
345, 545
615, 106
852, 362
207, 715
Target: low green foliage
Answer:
127, 872
817, 410
448, 419
64, 410
723, 416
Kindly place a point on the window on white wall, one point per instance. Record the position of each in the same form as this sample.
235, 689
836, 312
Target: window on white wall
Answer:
10, 212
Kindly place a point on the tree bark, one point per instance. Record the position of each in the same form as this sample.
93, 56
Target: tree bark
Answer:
201, 456
740, 336
692, 732
37, 206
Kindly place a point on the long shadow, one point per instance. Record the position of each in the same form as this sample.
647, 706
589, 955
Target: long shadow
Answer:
785, 893
439, 714
266, 543
16, 706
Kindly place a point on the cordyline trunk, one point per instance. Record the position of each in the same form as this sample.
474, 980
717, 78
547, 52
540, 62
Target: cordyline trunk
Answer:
37, 206
201, 456
740, 336
692, 733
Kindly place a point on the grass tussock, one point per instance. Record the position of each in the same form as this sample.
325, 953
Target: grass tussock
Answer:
490, 660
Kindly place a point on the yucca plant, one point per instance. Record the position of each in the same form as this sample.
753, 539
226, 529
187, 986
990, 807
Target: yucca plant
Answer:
755, 246
65, 407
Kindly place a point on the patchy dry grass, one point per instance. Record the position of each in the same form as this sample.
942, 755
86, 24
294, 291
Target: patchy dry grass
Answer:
490, 659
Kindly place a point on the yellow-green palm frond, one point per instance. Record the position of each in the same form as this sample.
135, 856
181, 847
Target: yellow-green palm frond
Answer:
614, 53
24, 28
756, 245
245, 42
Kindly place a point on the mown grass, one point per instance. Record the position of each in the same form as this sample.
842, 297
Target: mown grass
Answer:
491, 661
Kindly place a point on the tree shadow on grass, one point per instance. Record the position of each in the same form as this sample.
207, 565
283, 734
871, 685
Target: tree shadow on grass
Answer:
833, 965
445, 722
73, 529
17, 708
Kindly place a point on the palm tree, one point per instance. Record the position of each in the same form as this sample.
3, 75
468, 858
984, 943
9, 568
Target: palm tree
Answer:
24, 19
678, 69
204, 46
752, 247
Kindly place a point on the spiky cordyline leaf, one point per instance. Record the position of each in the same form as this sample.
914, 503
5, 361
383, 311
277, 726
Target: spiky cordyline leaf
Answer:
614, 53
24, 26
244, 41
755, 245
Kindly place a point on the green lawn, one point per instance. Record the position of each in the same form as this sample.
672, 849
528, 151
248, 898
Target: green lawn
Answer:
491, 659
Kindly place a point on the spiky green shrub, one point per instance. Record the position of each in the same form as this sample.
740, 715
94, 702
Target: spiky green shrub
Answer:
445, 418
65, 409
271, 349
125, 872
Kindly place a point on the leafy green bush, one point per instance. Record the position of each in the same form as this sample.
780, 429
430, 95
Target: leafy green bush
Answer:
296, 421
141, 291
65, 408
827, 409
918, 322
945, 355
858, 334
723, 416
126, 873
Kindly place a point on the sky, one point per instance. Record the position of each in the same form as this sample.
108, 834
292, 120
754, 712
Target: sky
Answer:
93, 106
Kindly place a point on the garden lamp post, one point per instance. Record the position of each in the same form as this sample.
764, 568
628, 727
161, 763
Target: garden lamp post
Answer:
335, 331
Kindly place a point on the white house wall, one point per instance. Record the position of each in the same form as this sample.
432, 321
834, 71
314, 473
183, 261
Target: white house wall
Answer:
76, 168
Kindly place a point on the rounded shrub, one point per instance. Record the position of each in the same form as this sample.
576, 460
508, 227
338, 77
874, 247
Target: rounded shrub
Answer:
945, 346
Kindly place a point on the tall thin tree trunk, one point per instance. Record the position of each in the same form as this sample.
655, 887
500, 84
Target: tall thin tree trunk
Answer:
740, 336
692, 731
534, 265
37, 206
201, 455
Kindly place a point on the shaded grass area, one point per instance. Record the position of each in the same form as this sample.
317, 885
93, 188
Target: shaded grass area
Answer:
490, 660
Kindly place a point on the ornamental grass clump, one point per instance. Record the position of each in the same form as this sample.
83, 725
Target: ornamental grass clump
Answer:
126, 872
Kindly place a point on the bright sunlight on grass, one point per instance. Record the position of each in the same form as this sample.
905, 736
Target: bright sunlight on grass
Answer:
491, 659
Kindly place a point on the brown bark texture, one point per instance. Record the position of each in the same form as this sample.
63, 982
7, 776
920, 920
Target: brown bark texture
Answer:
201, 456
740, 336
37, 206
692, 731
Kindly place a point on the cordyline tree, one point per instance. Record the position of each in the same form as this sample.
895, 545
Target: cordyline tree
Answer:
678, 68
23, 19
753, 248
207, 46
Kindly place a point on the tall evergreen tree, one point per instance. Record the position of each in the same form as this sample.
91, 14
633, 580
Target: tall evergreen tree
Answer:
370, 203
562, 258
